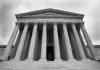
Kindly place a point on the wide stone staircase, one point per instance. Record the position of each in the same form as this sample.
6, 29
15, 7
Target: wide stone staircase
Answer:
50, 65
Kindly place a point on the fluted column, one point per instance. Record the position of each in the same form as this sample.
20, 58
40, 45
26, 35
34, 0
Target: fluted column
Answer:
44, 42
21, 43
89, 43
32, 43
83, 45
10, 43
25, 46
56, 43
74, 45
67, 41
16, 44
79, 45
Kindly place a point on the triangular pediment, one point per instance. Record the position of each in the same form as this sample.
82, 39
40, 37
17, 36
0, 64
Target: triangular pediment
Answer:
49, 13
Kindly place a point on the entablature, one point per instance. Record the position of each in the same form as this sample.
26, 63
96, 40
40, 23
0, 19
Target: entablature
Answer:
50, 20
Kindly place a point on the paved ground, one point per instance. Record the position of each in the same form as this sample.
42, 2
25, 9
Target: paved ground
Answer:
50, 65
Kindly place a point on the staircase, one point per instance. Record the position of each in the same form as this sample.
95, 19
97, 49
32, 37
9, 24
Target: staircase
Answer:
50, 65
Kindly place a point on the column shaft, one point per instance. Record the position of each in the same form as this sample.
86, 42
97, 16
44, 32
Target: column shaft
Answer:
10, 43
89, 43
67, 41
56, 43
25, 46
21, 43
16, 45
83, 45
32, 43
44, 42
81, 51
74, 45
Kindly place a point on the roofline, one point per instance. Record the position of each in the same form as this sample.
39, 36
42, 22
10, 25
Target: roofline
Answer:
36, 11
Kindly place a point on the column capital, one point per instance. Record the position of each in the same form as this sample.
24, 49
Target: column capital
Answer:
64, 22
26, 23
35, 23
54, 23
17, 23
22, 23
72, 24
81, 24
45, 23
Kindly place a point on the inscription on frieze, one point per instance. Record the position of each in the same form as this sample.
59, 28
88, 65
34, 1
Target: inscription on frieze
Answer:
49, 14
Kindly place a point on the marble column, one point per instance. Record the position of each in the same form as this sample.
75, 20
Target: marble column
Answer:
32, 43
21, 43
67, 41
89, 43
24, 52
74, 45
10, 43
56, 43
79, 45
44, 42
83, 45
16, 44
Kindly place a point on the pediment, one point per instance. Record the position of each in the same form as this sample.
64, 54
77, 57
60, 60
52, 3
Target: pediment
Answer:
49, 13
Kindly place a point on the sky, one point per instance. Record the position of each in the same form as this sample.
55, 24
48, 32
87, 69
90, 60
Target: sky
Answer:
90, 8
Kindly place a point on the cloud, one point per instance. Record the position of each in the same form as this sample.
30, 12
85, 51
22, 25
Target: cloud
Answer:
5, 13
8, 9
95, 13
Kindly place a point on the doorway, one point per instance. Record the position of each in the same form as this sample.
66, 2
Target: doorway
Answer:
50, 53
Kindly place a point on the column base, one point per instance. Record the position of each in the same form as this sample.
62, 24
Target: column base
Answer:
43, 59
97, 58
29, 59
57, 59
3, 58
85, 59
71, 59
15, 59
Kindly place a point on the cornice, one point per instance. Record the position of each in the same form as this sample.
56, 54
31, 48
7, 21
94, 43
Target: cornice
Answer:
50, 13
50, 16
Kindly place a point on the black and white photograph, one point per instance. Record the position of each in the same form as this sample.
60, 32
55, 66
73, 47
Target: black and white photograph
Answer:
49, 34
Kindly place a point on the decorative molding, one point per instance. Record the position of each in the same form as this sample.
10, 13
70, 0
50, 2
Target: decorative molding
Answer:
49, 13
50, 20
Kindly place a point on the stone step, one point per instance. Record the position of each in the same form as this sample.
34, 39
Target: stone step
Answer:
50, 65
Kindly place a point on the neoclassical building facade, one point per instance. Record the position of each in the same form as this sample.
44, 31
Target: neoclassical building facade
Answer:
50, 39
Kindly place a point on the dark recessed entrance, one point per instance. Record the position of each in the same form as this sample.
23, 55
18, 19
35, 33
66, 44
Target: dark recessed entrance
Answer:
50, 44
50, 53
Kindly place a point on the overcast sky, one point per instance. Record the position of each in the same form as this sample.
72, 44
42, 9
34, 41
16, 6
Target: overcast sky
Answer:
90, 8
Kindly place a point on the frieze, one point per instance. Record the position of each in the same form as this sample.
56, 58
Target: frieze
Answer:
50, 20
49, 13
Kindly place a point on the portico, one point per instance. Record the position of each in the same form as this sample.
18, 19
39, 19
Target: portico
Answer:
49, 36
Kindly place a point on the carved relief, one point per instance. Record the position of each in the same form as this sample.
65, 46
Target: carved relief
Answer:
50, 13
